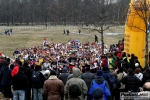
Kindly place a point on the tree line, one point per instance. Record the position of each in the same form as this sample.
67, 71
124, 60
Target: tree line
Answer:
63, 12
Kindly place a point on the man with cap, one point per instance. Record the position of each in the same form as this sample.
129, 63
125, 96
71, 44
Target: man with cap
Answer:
99, 83
53, 88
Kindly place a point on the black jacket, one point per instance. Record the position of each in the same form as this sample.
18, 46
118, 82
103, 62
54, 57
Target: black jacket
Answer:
88, 77
41, 83
132, 83
5, 73
64, 76
20, 81
28, 73
146, 76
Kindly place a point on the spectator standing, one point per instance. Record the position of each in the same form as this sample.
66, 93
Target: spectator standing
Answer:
64, 75
100, 83
5, 73
132, 83
76, 80
19, 83
38, 82
53, 88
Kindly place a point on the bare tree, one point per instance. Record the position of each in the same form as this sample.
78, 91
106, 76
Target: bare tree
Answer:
101, 13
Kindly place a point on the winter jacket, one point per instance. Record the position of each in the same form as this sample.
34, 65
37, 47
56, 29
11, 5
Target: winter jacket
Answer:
6, 75
76, 80
41, 83
132, 83
146, 76
53, 88
100, 81
106, 75
120, 76
88, 77
20, 81
139, 76
28, 73
63, 76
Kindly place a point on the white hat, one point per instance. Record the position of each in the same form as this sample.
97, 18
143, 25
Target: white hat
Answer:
136, 64
47, 72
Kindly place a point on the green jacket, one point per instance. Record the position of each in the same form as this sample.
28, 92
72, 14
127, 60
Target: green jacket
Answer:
76, 80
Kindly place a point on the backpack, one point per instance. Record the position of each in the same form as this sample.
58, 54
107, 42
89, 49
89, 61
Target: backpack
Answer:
102, 86
112, 82
36, 77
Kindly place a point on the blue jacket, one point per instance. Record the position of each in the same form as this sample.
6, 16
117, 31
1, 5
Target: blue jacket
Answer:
100, 83
5, 72
106, 75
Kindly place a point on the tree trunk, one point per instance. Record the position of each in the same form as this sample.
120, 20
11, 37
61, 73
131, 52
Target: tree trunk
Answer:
146, 50
102, 40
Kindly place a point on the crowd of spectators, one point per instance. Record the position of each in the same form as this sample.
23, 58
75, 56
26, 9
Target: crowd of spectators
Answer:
72, 71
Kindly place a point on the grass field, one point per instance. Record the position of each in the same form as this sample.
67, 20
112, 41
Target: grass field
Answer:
33, 36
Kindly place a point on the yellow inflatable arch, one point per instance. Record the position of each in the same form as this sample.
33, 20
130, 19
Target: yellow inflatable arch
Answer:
135, 29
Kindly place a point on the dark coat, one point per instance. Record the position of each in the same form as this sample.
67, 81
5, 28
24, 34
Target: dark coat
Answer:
63, 77
28, 73
41, 83
6, 75
88, 77
146, 76
106, 75
20, 81
132, 83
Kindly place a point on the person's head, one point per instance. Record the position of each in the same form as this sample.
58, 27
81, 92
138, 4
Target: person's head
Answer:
76, 72
98, 94
130, 71
47, 72
146, 86
136, 64
19, 63
53, 73
21, 70
37, 68
120, 70
12, 66
132, 56
99, 73
87, 69
148, 70
74, 91
137, 71
64, 70
105, 69
26, 63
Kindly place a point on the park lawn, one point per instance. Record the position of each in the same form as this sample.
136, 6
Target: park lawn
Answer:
27, 38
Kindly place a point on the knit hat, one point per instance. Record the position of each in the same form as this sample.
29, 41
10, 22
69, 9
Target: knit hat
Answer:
52, 72
99, 73
47, 72
136, 64
98, 94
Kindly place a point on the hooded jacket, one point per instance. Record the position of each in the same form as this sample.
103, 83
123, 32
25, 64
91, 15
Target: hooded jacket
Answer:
76, 80
100, 81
